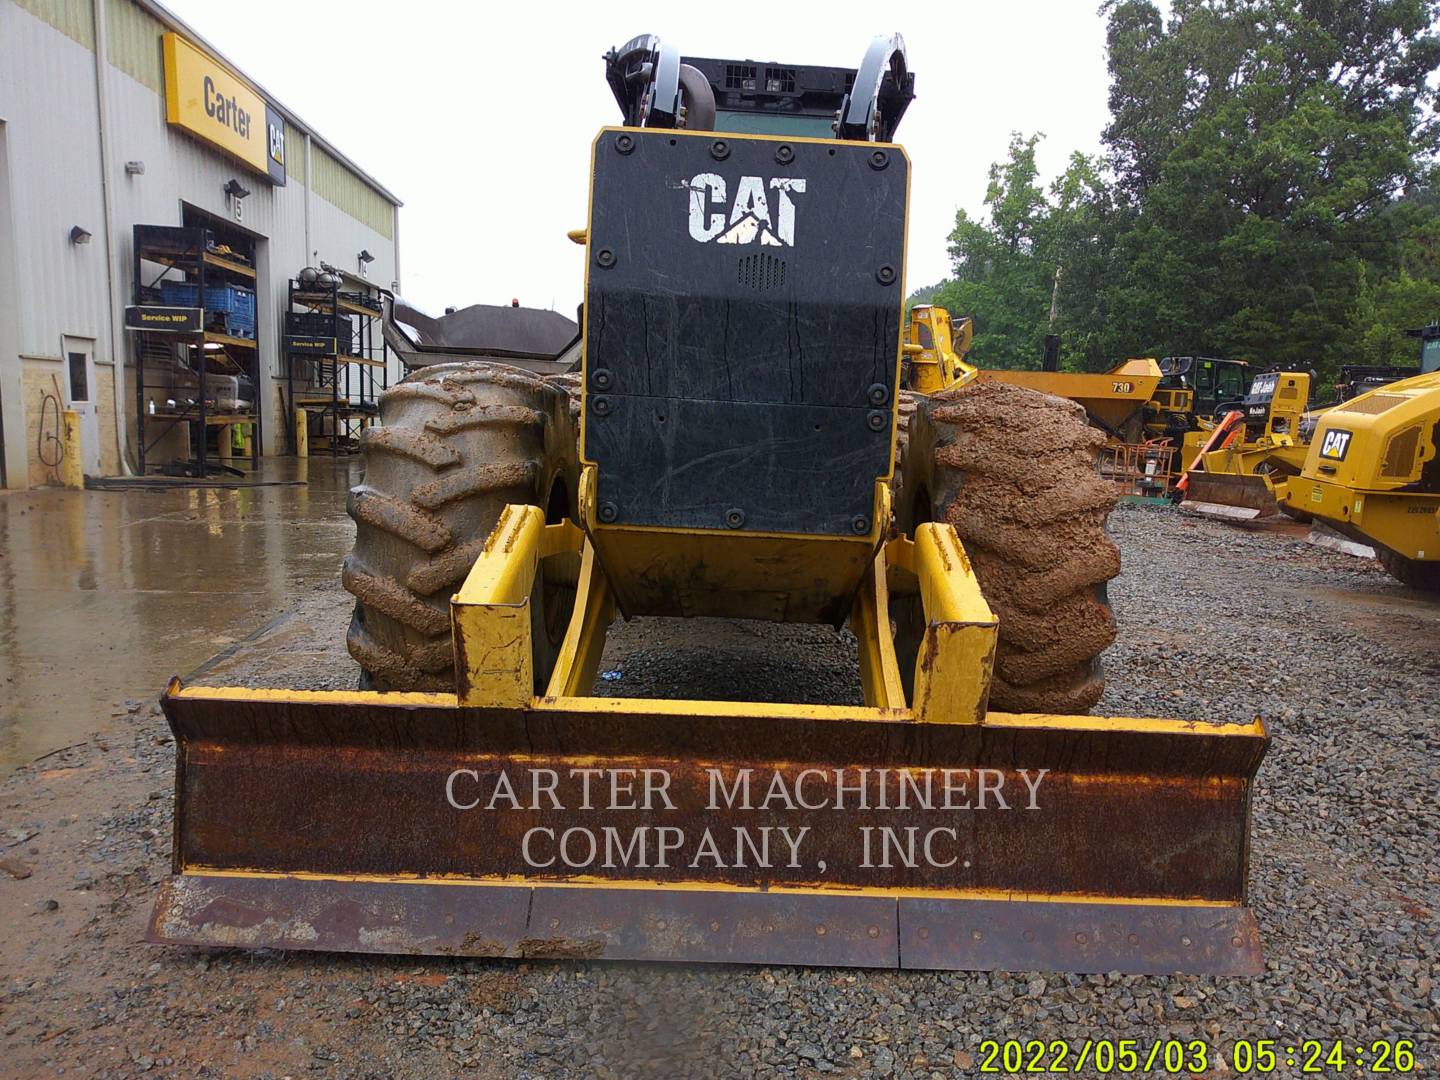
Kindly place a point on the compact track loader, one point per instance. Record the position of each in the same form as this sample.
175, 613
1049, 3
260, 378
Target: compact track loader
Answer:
727, 450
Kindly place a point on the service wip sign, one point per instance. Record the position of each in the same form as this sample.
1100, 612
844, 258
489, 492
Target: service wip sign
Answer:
211, 103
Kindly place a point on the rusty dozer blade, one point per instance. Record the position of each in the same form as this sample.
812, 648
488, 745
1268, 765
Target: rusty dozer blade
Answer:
1230, 496
824, 835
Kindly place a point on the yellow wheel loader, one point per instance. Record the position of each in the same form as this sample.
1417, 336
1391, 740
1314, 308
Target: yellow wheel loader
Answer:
1372, 473
727, 450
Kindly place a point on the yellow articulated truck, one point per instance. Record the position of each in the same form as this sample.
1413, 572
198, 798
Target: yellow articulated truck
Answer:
1114, 400
727, 450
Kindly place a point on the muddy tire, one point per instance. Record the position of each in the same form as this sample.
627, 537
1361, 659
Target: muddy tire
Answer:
456, 442
1013, 470
908, 401
1416, 573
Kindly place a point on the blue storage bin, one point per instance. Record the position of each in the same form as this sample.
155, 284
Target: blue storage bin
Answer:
231, 299
180, 293
240, 325
234, 306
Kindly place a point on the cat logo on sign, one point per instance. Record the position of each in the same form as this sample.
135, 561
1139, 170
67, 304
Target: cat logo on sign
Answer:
1335, 445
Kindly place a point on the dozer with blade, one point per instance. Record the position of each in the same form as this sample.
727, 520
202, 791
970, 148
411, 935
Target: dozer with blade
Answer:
736, 415
1250, 450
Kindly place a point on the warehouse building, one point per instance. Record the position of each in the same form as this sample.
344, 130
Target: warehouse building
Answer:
117, 121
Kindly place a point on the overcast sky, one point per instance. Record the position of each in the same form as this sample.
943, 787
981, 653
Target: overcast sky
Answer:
480, 116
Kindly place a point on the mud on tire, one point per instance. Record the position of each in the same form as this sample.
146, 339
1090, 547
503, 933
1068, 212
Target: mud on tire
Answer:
1013, 470
456, 442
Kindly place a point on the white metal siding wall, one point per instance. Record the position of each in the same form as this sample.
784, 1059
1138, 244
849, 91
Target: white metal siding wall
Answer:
48, 98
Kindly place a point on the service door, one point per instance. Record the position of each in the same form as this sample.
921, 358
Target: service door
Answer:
80, 397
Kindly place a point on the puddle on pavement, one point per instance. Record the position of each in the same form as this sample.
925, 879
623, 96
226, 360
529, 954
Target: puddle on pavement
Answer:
106, 594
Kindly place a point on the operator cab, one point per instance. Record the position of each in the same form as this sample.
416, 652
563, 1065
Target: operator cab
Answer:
1429, 347
1218, 385
657, 87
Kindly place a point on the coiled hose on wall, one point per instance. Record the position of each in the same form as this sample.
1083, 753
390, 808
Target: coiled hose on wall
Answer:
49, 443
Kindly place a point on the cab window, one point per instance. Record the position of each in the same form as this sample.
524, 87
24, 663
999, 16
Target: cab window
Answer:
1231, 381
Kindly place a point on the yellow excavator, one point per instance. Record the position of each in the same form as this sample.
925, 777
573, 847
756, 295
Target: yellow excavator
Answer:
727, 449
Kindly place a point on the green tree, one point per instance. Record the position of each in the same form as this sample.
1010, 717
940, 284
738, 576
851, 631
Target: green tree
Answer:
1002, 266
1268, 192
1259, 144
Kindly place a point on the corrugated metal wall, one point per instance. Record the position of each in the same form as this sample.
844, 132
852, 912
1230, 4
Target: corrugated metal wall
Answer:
294, 154
341, 188
132, 43
47, 84
73, 18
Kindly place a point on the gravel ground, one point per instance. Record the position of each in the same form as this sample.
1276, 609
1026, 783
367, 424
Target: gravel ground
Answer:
1215, 623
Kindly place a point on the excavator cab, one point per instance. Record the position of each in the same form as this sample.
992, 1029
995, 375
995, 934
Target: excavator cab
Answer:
1216, 385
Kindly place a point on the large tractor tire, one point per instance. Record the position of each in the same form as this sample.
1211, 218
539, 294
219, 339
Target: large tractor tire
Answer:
455, 444
1416, 573
1014, 471
908, 401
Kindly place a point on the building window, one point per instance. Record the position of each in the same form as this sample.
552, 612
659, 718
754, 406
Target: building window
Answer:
79, 384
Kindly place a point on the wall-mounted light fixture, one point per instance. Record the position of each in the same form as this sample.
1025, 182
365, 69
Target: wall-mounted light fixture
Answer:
366, 257
235, 189
134, 168
79, 235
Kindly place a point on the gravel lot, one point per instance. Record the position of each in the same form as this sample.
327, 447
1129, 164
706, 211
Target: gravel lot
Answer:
1215, 623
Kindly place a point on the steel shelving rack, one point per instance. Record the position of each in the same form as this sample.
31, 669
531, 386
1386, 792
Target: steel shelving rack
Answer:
211, 349
336, 361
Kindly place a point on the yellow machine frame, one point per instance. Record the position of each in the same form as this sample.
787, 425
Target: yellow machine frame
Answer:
325, 820
1363, 457
491, 621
